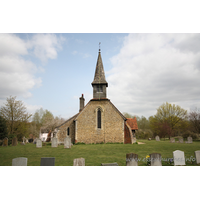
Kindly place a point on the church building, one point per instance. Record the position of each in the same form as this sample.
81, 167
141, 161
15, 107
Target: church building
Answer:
99, 121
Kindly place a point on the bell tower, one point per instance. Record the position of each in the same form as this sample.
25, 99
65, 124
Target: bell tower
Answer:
99, 83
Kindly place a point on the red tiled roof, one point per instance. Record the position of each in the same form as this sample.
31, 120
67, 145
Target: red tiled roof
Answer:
132, 123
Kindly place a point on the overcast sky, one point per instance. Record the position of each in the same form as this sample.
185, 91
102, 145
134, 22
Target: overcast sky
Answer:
142, 70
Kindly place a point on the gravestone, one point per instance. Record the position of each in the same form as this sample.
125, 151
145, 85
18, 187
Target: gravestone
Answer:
47, 161
180, 140
109, 164
39, 143
197, 156
157, 138
131, 159
79, 162
35, 141
14, 141
54, 142
179, 157
19, 161
5, 142
172, 140
155, 159
22, 143
189, 140
67, 143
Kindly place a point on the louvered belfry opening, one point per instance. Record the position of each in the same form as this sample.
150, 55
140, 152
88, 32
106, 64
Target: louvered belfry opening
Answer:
99, 118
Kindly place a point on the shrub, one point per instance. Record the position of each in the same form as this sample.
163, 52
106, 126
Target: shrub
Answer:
10, 137
79, 143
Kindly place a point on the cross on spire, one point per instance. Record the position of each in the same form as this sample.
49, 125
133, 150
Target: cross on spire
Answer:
99, 46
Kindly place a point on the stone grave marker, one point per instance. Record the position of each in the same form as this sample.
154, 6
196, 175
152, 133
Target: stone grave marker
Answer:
14, 141
35, 141
131, 159
79, 162
54, 142
5, 142
48, 161
67, 143
109, 164
19, 161
179, 157
172, 140
197, 156
157, 138
39, 143
180, 140
155, 159
189, 140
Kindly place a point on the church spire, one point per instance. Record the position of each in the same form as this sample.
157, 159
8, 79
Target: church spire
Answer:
99, 83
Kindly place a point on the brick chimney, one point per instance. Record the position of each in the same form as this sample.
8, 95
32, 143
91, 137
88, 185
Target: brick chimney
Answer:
82, 103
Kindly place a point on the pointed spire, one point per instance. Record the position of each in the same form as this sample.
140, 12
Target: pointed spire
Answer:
99, 77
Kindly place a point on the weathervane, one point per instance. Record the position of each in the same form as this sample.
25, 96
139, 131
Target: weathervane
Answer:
99, 46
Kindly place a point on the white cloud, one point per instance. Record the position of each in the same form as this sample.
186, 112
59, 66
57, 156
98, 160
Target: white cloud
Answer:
154, 68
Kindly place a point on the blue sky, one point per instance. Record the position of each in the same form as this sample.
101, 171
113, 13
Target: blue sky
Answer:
142, 70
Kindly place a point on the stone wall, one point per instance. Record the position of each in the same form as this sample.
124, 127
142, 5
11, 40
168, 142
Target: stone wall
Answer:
112, 129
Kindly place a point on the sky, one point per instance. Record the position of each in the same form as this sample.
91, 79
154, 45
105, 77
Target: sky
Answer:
143, 71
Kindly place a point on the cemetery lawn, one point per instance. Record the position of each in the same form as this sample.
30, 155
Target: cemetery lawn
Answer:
95, 154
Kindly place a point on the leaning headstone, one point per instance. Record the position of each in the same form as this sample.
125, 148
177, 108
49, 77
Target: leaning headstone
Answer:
19, 161
109, 164
180, 140
157, 138
47, 161
155, 159
5, 142
179, 157
189, 139
197, 156
39, 143
67, 143
131, 159
14, 141
79, 162
54, 142
172, 140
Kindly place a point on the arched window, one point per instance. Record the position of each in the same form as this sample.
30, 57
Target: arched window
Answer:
99, 118
68, 131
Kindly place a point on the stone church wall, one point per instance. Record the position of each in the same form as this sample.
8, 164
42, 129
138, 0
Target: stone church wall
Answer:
112, 129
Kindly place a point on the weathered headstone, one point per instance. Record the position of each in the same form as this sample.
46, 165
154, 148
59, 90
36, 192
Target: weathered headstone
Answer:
179, 157
131, 159
109, 164
5, 142
197, 156
19, 161
35, 141
157, 138
172, 140
54, 142
79, 162
189, 139
180, 140
47, 161
39, 143
155, 159
14, 141
67, 142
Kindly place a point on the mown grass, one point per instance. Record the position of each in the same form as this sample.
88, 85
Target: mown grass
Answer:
95, 154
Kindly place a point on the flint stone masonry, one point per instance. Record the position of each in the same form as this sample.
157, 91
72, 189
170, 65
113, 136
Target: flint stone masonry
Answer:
39, 143
172, 140
67, 143
14, 141
197, 156
79, 162
109, 164
5, 142
19, 161
157, 138
189, 140
179, 157
48, 161
155, 159
180, 140
131, 159
54, 142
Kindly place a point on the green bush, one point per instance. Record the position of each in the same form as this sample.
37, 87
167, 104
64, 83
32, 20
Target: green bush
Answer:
10, 137
79, 143
189, 133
